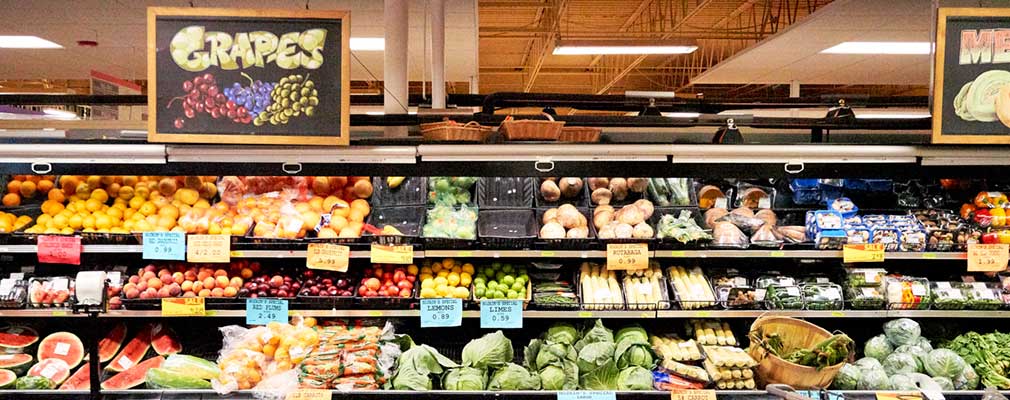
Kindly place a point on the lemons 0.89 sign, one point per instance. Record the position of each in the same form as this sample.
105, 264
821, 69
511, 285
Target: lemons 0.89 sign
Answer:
220, 75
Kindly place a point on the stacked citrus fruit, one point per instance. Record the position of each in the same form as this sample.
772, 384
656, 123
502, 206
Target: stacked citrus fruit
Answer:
266, 351
22, 187
10, 222
446, 279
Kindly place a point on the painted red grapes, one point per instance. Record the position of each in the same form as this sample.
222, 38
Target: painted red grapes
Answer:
203, 96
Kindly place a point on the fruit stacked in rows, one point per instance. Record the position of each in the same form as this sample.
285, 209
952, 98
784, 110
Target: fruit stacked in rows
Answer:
446, 279
203, 96
346, 221
21, 187
326, 284
156, 281
384, 280
500, 281
293, 96
10, 222
256, 354
278, 283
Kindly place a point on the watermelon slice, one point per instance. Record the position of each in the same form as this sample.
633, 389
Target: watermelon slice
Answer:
7, 378
111, 343
17, 363
164, 341
133, 376
133, 352
62, 345
16, 337
55, 369
80, 380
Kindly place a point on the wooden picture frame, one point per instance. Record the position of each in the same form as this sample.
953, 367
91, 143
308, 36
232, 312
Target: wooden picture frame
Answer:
343, 107
940, 53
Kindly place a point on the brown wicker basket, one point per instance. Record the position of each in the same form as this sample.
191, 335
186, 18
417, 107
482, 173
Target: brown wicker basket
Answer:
796, 334
531, 129
580, 134
452, 131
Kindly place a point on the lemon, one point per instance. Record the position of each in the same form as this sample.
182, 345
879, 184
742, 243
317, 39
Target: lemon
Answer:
443, 273
441, 281
465, 279
93, 205
425, 277
453, 279
460, 293
427, 283
443, 290
60, 221
76, 221
427, 293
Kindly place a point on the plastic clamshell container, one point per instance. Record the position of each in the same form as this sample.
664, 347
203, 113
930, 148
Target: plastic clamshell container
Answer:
833, 239
407, 219
505, 192
671, 243
805, 191
764, 281
828, 219
737, 297
948, 295
865, 298
913, 240
413, 191
781, 297
507, 229
865, 277
822, 296
858, 235
47, 292
984, 295
692, 297
889, 237
907, 293
627, 282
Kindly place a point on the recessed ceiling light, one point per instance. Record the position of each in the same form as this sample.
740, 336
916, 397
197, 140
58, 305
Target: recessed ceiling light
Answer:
879, 48
26, 42
59, 114
596, 47
368, 44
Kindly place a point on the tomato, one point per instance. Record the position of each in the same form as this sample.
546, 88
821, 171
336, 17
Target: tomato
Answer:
405, 293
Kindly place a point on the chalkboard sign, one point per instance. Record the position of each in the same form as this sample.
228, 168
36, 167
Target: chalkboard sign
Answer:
218, 75
971, 92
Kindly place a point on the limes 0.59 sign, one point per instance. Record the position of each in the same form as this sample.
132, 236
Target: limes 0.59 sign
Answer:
248, 76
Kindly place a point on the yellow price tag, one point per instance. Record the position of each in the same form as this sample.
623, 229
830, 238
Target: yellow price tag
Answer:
868, 252
777, 254
898, 396
988, 257
929, 255
330, 257
678, 253
237, 253
375, 313
59, 313
547, 254
310, 394
464, 254
627, 256
382, 254
585, 314
208, 248
680, 394
183, 306
837, 314
703, 314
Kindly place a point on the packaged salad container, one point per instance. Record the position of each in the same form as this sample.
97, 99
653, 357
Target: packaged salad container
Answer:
822, 296
865, 298
948, 295
984, 296
864, 277
779, 297
907, 293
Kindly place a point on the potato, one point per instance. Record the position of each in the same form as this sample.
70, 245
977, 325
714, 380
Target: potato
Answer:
607, 231
552, 230
602, 208
619, 188
597, 183
550, 191
624, 231
579, 232
582, 221
601, 196
549, 215
642, 231
638, 185
571, 187
602, 219
645, 206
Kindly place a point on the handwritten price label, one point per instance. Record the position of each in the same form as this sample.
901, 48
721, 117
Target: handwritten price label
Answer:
208, 248
164, 246
869, 252
382, 254
586, 395
988, 257
330, 257
627, 256
437, 313
692, 395
183, 306
59, 249
310, 394
502, 314
265, 311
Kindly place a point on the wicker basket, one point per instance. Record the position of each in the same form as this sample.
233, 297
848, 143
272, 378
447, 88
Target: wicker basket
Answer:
531, 129
580, 134
795, 333
452, 131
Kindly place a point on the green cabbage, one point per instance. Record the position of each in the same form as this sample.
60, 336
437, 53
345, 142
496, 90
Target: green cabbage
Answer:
634, 333
562, 332
552, 378
877, 347
464, 378
924, 344
513, 377
550, 354
968, 380
902, 331
913, 349
595, 355
416, 365
899, 363
491, 350
944, 363
903, 382
873, 379
848, 377
632, 350
944, 382
598, 333
634, 378
602, 378
866, 363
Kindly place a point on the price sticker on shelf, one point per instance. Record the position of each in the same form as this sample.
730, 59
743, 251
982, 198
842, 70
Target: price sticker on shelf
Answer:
164, 246
208, 248
53, 249
867, 252
988, 257
382, 254
501, 314
265, 311
310, 394
183, 307
586, 395
440, 313
692, 394
898, 395
627, 256
330, 257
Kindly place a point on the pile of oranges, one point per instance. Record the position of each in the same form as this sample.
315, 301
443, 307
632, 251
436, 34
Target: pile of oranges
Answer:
22, 187
10, 222
265, 351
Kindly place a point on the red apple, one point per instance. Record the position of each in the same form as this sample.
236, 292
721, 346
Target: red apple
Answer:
372, 284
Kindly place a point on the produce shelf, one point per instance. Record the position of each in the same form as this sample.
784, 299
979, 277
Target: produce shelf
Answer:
298, 254
437, 394
517, 253
801, 254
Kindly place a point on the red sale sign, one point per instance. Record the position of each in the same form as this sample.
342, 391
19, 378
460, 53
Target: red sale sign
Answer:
59, 249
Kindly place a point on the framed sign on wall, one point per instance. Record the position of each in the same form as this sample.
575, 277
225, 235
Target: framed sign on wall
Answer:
219, 75
971, 88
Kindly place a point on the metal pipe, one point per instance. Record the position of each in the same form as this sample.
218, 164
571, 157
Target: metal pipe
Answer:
394, 79
437, 12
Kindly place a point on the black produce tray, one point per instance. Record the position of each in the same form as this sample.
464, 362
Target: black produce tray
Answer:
412, 192
110, 238
390, 303
505, 192
673, 244
408, 219
617, 204
566, 243
580, 201
507, 229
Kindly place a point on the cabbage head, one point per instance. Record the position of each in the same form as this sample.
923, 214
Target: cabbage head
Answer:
602, 378
944, 363
597, 334
550, 354
968, 380
918, 352
464, 378
924, 344
945, 383
595, 355
866, 363
415, 366
491, 350
634, 378
902, 331
562, 332
874, 379
634, 333
877, 347
903, 382
560, 377
513, 377
900, 363
633, 350
848, 377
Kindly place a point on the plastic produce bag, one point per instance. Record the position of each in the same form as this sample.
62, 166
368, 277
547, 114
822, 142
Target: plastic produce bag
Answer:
725, 234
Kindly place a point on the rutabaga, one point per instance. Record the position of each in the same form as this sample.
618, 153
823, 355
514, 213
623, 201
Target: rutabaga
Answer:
600, 290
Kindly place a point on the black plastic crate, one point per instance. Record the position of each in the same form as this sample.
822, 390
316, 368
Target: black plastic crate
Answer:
412, 192
408, 220
581, 200
567, 243
507, 229
670, 243
505, 192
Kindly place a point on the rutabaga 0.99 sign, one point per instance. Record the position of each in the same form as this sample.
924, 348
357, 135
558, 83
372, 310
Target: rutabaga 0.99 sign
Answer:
221, 75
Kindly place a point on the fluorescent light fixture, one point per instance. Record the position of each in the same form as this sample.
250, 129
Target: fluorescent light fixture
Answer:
879, 48
26, 42
59, 114
596, 47
368, 44
374, 113
894, 115
681, 114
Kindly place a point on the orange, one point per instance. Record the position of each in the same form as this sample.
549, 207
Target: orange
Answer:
76, 221
101, 195
316, 203
359, 203
57, 196
45, 185
93, 205
94, 181
148, 208
14, 187
341, 208
83, 191
12, 199
337, 222
357, 215
169, 211
28, 189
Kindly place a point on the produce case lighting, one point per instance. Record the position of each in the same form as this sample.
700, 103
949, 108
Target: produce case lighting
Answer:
595, 47
906, 115
681, 114
26, 42
59, 114
368, 44
914, 48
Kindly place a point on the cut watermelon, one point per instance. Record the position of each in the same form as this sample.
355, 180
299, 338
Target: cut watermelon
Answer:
80, 380
62, 345
111, 343
55, 369
164, 341
16, 337
7, 378
133, 376
133, 352
18, 363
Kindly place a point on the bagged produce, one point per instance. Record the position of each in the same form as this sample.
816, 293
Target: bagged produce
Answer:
944, 363
874, 379
350, 357
866, 363
847, 378
902, 382
251, 357
988, 356
902, 331
899, 363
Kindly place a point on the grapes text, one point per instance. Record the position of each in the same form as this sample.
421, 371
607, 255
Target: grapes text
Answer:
195, 49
